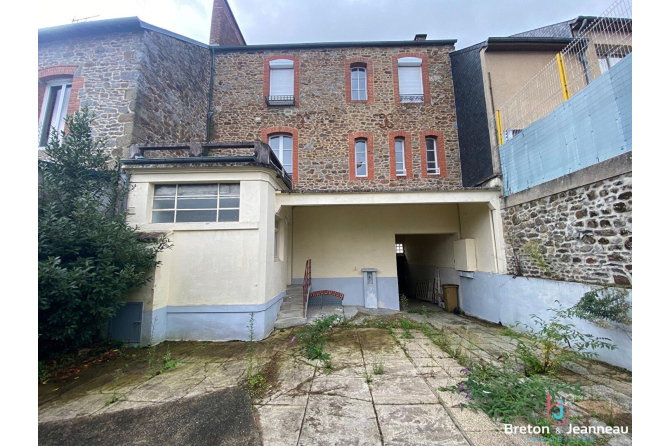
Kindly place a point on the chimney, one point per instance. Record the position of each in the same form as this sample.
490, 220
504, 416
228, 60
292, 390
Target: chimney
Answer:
418, 37
224, 30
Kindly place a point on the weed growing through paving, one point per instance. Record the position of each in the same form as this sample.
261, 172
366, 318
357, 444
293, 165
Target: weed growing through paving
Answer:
327, 366
504, 394
378, 367
544, 348
159, 365
368, 377
314, 337
256, 381
114, 398
404, 302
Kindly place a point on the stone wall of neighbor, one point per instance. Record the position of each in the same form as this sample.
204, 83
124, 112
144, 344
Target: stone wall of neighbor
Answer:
582, 234
324, 118
173, 88
109, 68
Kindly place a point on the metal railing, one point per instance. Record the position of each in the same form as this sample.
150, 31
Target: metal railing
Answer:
282, 100
306, 285
409, 98
599, 43
199, 152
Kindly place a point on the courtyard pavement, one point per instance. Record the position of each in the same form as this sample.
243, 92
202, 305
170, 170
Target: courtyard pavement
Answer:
305, 404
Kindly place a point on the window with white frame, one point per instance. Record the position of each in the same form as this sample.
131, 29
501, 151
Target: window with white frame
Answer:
281, 83
184, 203
276, 239
359, 84
54, 109
400, 169
431, 156
609, 55
399, 248
361, 158
410, 79
282, 146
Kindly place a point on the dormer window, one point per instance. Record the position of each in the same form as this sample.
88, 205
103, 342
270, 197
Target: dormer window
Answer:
54, 109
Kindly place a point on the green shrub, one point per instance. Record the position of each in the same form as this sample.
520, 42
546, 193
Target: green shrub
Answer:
88, 257
547, 345
603, 306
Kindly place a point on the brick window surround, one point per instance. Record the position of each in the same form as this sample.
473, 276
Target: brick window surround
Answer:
296, 76
408, 153
53, 72
424, 76
272, 131
441, 155
358, 62
352, 155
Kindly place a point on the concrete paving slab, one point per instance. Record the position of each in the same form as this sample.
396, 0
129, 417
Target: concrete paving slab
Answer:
393, 368
85, 405
404, 390
473, 421
491, 438
333, 420
354, 388
418, 425
279, 425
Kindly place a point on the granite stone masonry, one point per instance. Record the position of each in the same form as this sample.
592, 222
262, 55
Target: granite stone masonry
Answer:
580, 235
110, 71
143, 86
324, 118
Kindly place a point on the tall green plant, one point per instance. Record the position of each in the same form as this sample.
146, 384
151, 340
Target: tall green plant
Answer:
89, 258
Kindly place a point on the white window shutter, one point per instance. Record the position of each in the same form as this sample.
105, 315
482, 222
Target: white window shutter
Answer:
410, 80
281, 82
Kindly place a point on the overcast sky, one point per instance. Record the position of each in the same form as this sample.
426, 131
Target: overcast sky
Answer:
291, 21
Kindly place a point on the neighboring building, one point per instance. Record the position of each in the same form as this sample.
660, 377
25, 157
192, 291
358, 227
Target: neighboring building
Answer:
258, 160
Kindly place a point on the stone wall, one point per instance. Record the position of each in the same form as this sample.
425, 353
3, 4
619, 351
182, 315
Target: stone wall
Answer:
582, 234
109, 69
173, 89
324, 119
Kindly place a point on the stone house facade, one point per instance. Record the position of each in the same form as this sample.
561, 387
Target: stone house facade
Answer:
265, 164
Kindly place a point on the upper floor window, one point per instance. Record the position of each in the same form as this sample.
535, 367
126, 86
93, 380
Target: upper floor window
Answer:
282, 146
282, 82
410, 79
182, 203
431, 157
361, 158
54, 109
400, 168
359, 91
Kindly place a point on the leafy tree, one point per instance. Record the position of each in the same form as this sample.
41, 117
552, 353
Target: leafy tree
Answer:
89, 258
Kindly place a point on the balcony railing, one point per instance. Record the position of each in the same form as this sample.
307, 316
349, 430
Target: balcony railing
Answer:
283, 100
411, 98
200, 153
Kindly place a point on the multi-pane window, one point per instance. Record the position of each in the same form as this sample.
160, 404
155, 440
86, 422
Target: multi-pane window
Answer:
400, 169
182, 203
609, 56
410, 79
282, 146
276, 239
359, 83
399, 248
431, 156
281, 82
54, 109
361, 158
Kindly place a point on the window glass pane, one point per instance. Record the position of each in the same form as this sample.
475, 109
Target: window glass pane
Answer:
198, 189
196, 203
234, 189
63, 109
229, 202
165, 190
287, 157
360, 146
162, 216
163, 203
56, 92
229, 215
399, 167
192, 216
274, 143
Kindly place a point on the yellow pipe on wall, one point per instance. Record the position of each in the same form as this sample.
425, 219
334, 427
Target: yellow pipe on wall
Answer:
564, 79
